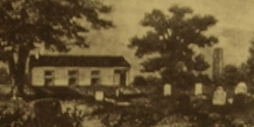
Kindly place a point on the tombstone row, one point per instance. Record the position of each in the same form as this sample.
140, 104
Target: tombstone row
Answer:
241, 88
219, 95
167, 89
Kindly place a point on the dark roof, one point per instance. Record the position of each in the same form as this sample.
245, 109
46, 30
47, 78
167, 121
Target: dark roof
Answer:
84, 61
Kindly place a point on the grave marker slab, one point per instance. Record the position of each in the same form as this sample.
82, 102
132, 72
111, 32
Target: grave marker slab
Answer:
198, 89
219, 97
117, 92
99, 95
167, 90
241, 88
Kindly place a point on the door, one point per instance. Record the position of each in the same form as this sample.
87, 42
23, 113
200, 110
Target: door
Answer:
120, 77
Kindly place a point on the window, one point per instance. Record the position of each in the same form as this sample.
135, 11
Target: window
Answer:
95, 73
73, 77
49, 78
49, 82
49, 73
95, 81
73, 73
72, 81
95, 77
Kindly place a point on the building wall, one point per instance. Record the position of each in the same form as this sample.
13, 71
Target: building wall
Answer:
84, 77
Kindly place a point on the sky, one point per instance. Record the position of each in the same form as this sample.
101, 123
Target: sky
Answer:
234, 29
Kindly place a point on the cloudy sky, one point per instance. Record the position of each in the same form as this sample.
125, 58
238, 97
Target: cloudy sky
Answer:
234, 28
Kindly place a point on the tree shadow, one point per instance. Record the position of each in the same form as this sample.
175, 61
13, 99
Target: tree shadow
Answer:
63, 93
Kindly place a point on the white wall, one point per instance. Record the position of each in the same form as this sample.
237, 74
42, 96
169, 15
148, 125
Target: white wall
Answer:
61, 75
37, 77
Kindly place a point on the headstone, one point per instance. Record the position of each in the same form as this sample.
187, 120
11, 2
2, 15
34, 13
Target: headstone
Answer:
123, 103
219, 96
198, 89
167, 90
14, 93
109, 100
99, 95
117, 92
230, 100
241, 88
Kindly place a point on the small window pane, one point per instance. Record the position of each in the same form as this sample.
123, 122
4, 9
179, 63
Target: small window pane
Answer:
95, 72
95, 81
72, 81
49, 73
49, 82
73, 73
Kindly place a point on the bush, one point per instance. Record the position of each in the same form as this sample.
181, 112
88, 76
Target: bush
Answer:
139, 81
4, 76
16, 114
154, 81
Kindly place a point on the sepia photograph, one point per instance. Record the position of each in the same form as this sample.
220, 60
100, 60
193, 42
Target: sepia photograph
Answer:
126, 63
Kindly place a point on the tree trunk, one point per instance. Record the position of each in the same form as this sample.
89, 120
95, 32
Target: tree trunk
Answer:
12, 68
17, 70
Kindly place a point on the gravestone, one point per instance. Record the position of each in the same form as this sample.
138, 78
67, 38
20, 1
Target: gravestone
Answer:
14, 93
117, 92
198, 89
230, 100
167, 90
219, 96
241, 88
48, 113
99, 95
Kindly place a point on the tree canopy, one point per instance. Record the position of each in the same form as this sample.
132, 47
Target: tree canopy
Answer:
28, 21
232, 75
172, 37
23, 23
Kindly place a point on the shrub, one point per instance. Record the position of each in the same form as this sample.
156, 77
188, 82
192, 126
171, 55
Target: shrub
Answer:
139, 81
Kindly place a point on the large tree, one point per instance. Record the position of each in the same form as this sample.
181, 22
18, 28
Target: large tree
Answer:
24, 23
172, 37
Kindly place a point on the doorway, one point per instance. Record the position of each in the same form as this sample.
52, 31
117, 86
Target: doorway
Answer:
120, 77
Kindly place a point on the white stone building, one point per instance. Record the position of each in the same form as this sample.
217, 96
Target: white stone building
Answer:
63, 70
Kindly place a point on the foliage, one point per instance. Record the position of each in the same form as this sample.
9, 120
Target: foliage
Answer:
56, 23
162, 112
200, 64
139, 81
153, 81
231, 76
133, 116
21, 114
172, 37
175, 121
15, 114
4, 77
204, 78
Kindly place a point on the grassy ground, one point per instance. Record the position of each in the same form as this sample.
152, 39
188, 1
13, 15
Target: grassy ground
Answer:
151, 110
